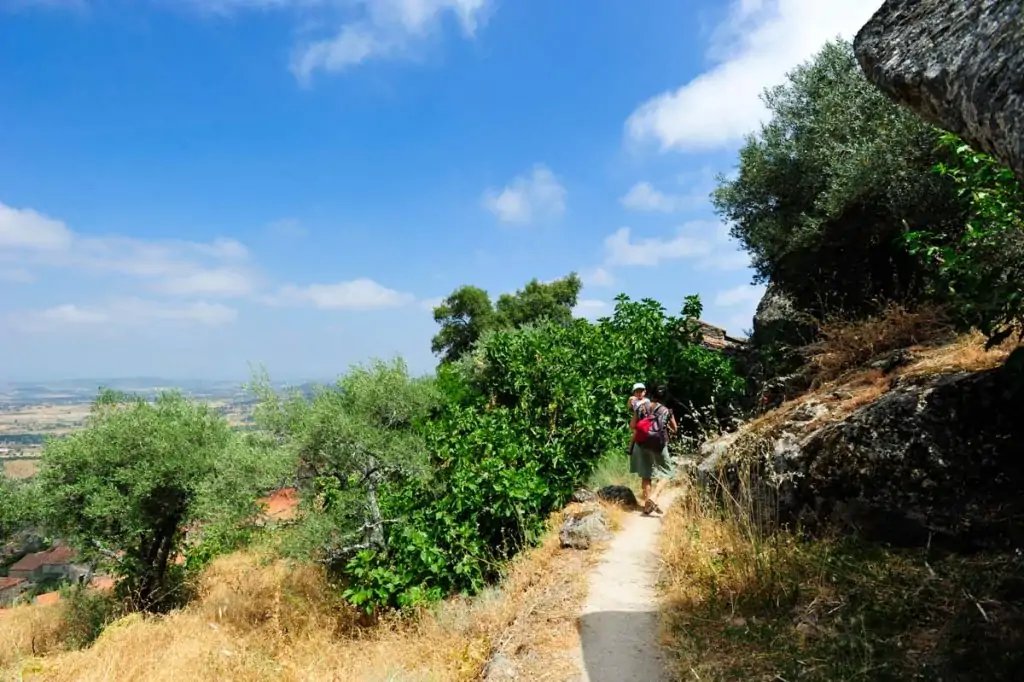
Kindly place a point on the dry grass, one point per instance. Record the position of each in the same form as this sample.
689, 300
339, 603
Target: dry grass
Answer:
848, 345
29, 631
862, 386
743, 600
257, 619
20, 468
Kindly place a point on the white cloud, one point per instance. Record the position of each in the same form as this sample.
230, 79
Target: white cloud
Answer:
216, 268
29, 230
527, 198
211, 282
744, 294
621, 249
590, 308
357, 294
643, 196
123, 313
380, 29
351, 32
753, 49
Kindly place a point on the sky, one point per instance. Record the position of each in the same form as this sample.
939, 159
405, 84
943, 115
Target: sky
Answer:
192, 188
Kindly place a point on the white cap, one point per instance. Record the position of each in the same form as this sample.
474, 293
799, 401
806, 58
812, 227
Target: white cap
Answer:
639, 387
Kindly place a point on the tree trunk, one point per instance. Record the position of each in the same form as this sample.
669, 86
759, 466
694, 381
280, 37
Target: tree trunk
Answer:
374, 523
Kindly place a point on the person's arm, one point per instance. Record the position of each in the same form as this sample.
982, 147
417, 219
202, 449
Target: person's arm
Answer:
673, 427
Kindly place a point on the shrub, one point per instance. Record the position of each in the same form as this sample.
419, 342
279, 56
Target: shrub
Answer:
529, 415
86, 612
980, 270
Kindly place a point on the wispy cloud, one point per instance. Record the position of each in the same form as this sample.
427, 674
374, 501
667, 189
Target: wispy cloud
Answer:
381, 30
287, 229
643, 196
357, 294
745, 294
122, 314
218, 268
353, 31
622, 249
528, 198
598, 277
591, 308
753, 49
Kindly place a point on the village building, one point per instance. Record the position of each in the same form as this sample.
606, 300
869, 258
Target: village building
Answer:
56, 562
10, 589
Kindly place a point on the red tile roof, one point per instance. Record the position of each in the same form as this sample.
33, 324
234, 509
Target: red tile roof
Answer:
6, 582
61, 554
102, 583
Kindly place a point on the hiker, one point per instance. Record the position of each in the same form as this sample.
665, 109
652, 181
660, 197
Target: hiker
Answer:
637, 399
652, 424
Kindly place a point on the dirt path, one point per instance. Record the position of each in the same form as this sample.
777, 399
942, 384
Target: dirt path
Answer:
619, 625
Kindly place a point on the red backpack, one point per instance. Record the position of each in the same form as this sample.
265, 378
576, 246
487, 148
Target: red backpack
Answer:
650, 430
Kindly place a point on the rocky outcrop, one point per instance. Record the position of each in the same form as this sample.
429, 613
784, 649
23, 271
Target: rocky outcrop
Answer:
937, 459
779, 320
957, 63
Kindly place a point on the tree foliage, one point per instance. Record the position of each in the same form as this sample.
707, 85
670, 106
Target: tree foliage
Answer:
16, 503
468, 313
125, 487
980, 269
828, 187
350, 440
527, 415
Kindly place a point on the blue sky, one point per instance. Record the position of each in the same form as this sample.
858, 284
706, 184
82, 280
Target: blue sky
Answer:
188, 187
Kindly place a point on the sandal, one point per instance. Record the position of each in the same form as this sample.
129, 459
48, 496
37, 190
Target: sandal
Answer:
649, 507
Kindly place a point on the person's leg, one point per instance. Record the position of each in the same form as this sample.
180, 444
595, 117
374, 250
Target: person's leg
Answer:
662, 474
645, 490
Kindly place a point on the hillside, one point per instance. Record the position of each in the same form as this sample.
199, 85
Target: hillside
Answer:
808, 547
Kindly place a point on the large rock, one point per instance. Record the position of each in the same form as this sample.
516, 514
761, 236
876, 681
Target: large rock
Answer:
957, 63
618, 494
779, 320
938, 459
584, 527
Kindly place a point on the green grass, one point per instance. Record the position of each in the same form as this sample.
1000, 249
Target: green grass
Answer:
612, 469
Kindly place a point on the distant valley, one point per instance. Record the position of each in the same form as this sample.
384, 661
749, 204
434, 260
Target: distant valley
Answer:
31, 412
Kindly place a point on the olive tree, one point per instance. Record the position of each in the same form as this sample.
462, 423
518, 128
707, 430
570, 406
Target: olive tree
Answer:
828, 187
127, 486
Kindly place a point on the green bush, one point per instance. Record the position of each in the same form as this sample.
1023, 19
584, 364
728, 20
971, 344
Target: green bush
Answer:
86, 613
980, 270
528, 416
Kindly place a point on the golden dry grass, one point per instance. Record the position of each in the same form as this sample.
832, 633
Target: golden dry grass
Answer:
29, 631
847, 345
20, 468
743, 599
255, 618
857, 387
